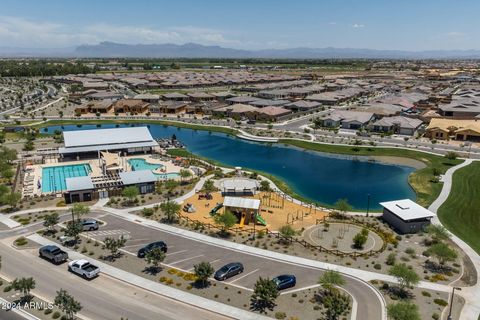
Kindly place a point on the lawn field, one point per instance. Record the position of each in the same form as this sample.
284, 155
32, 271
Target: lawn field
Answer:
461, 212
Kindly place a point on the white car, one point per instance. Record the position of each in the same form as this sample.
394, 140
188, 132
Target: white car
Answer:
83, 268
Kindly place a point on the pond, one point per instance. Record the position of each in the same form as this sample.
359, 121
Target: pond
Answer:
322, 178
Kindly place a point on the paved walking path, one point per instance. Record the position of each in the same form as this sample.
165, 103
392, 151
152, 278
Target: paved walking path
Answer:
158, 288
471, 309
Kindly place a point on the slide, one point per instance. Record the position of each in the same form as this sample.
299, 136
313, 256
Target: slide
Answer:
260, 219
217, 207
242, 220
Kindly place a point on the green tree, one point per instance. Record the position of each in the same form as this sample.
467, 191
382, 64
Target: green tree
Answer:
265, 186
343, 206
170, 185
226, 220
74, 228
67, 303
171, 209
265, 292
130, 193
185, 174
403, 311
203, 271
154, 257
336, 304
114, 245
50, 220
208, 186
451, 155
331, 279
24, 285
437, 232
442, 252
287, 232
405, 276
12, 199
359, 240
79, 210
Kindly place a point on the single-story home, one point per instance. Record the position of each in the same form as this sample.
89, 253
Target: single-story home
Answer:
347, 119
271, 113
130, 105
302, 105
463, 130
397, 125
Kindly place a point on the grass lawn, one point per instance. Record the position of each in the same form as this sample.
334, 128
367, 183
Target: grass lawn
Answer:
461, 213
420, 180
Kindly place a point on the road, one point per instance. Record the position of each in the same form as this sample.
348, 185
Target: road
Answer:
185, 252
101, 298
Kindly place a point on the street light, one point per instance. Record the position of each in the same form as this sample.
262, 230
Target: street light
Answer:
451, 302
368, 203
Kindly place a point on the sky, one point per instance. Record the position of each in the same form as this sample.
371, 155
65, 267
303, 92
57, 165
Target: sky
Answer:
413, 25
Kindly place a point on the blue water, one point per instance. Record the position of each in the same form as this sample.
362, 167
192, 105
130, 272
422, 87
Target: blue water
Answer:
142, 164
53, 178
323, 178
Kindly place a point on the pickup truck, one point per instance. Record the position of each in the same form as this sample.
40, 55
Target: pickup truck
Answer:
83, 268
53, 254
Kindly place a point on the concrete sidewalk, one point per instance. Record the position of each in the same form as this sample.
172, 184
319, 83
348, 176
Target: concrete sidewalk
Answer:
158, 288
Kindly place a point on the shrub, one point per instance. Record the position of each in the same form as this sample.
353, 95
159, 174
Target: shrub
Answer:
435, 316
47, 311
56, 315
391, 259
7, 289
410, 251
377, 266
280, 315
441, 302
21, 241
426, 294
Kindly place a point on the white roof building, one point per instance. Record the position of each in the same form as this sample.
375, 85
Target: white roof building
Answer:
79, 183
107, 139
137, 177
245, 203
407, 210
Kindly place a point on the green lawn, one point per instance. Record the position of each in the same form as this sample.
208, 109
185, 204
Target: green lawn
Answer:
420, 180
461, 212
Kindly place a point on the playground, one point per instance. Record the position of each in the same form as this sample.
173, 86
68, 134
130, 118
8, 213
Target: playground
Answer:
269, 209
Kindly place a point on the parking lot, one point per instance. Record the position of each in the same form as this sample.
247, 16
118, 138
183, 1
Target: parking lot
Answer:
185, 253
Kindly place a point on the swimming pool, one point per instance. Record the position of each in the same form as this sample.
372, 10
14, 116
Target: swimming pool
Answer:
53, 178
142, 164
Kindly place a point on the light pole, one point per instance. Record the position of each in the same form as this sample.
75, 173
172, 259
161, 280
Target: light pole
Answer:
368, 203
451, 302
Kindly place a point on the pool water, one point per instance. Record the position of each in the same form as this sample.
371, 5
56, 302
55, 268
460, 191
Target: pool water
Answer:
53, 178
142, 164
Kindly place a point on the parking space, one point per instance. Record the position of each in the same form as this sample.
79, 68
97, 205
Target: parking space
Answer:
184, 253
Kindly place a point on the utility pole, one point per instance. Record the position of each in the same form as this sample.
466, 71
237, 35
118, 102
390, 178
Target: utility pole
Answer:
451, 302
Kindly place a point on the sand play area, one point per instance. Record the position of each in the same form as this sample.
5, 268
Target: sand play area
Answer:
275, 210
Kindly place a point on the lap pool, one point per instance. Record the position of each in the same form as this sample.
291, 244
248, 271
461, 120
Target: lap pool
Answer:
53, 178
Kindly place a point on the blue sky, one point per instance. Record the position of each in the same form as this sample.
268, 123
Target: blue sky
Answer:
246, 24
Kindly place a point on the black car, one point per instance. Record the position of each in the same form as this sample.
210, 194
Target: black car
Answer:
158, 244
285, 281
228, 271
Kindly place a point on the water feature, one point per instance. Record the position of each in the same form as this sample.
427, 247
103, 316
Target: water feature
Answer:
323, 178
142, 164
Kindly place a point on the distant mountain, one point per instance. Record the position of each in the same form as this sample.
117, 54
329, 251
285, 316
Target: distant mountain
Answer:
193, 50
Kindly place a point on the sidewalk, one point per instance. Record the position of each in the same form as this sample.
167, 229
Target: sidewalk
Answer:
158, 288
471, 309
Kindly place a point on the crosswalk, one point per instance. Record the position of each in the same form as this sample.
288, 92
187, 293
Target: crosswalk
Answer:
110, 233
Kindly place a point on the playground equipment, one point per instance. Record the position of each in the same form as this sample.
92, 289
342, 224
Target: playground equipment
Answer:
217, 207
242, 220
206, 196
273, 199
260, 220
292, 217
190, 208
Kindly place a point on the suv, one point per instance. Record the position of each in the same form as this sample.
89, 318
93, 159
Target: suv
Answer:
89, 225
228, 271
149, 247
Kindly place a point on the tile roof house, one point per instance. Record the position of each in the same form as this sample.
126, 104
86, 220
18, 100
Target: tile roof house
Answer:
444, 129
397, 125
347, 119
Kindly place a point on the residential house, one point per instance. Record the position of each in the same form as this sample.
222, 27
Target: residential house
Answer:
134, 106
271, 113
463, 130
398, 125
347, 119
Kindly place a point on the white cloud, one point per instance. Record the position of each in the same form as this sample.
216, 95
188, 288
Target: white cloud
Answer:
332, 23
357, 25
15, 31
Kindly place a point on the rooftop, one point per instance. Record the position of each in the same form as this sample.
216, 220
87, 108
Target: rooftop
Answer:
406, 209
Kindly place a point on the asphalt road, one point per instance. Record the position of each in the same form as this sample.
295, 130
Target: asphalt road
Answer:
183, 253
101, 298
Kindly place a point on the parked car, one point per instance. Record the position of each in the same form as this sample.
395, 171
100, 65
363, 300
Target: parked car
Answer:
285, 281
158, 244
228, 271
89, 224
53, 254
83, 268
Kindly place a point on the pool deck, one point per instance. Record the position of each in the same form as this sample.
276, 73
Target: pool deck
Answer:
34, 174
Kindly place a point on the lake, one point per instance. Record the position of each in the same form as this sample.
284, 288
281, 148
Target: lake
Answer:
323, 178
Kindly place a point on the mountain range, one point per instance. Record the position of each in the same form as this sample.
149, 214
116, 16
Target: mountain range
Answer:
193, 50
